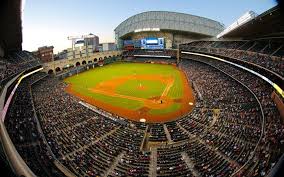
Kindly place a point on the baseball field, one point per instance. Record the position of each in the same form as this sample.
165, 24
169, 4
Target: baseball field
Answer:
137, 91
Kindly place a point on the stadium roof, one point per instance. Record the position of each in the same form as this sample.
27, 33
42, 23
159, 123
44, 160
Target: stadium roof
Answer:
11, 25
267, 24
172, 21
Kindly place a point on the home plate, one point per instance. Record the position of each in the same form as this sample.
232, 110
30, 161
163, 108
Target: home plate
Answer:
190, 103
142, 120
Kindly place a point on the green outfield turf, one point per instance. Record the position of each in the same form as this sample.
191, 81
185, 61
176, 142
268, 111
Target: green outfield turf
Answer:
149, 88
131, 92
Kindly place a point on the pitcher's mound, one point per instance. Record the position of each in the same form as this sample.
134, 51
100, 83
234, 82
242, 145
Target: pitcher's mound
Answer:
141, 87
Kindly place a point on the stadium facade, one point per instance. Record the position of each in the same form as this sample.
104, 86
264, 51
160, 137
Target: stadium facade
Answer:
175, 28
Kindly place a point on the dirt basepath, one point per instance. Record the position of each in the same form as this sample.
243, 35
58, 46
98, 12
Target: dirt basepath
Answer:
109, 87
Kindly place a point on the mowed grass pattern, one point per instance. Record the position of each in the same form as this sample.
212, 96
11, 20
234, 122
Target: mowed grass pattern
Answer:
83, 82
149, 88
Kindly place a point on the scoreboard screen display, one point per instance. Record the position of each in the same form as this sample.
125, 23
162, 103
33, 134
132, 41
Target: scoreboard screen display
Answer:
152, 43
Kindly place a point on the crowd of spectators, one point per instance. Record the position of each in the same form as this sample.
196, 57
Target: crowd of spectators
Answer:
15, 63
267, 54
223, 133
21, 125
215, 132
243, 122
86, 142
157, 133
171, 163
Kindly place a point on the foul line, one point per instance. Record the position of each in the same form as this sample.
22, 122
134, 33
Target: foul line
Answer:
168, 87
118, 95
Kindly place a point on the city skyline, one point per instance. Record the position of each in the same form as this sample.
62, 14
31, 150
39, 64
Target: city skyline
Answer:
51, 22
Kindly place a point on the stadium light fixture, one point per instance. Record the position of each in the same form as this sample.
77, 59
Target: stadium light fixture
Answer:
142, 120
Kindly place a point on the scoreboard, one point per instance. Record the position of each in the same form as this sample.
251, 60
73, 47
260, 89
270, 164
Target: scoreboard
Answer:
152, 43
145, 43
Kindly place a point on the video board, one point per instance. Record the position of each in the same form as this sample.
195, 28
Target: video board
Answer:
152, 43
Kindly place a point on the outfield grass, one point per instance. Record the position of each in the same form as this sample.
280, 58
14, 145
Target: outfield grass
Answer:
83, 82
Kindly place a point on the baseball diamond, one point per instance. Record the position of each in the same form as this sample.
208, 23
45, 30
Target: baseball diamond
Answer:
154, 92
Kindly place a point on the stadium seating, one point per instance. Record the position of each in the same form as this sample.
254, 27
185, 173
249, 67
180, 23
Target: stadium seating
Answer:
223, 133
16, 63
165, 52
22, 128
263, 53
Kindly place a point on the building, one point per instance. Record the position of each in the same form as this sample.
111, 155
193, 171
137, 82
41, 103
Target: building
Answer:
61, 55
85, 40
79, 43
175, 28
70, 53
94, 42
108, 46
79, 50
82, 46
45, 53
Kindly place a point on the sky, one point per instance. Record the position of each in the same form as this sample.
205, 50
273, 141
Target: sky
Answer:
50, 22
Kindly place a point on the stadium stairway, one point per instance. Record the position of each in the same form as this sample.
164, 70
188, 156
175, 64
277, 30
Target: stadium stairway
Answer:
114, 164
153, 163
167, 134
190, 164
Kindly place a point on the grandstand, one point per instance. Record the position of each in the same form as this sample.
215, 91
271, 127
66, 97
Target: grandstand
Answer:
235, 126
